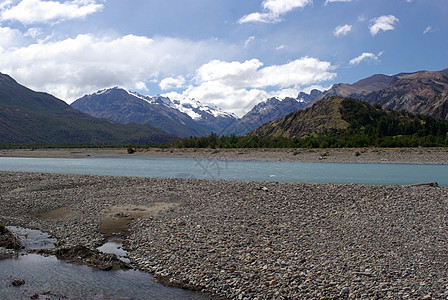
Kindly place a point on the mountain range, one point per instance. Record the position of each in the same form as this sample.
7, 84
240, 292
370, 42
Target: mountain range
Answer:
27, 116
345, 122
270, 110
322, 115
187, 117
32, 117
421, 92
181, 118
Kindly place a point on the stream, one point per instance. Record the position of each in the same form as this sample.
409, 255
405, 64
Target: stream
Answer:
51, 278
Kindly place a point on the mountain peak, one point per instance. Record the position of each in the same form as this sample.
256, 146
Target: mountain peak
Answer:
324, 114
180, 117
270, 110
423, 92
35, 117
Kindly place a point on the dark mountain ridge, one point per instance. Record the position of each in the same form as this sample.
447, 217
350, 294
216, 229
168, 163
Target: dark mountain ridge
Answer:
32, 117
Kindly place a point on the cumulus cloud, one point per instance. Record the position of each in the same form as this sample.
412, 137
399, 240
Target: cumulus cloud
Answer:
238, 86
170, 83
5, 3
73, 67
9, 38
330, 1
383, 23
273, 10
342, 30
365, 56
33, 32
38, 11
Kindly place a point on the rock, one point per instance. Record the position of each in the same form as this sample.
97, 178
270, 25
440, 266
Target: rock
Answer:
82, 255
8, 240
18, 282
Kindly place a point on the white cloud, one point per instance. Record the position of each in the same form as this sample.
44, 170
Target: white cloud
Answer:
280, 7
361, 19
365, 56
281, 47
5, 3
260, 18
273, 9
330, 1
342, 30
38, 11
238, 86
249, 41
172, 83
33, 32
9, 38
316, 87
383, 23
76, 66
429, 29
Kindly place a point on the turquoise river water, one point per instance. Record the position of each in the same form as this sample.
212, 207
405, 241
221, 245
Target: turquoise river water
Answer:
164, 167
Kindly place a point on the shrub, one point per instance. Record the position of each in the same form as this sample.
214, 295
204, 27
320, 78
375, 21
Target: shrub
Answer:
131, 150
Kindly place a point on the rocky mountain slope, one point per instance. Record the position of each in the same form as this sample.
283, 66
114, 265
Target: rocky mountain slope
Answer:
182, 118
324, 114
346, 122
270, 110
420, 92
31, 117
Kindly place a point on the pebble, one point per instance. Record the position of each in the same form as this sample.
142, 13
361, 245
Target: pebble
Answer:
232, 239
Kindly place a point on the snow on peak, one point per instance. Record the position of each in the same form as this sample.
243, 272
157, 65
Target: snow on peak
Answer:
137, 95
100, 92
197, 110
192, 107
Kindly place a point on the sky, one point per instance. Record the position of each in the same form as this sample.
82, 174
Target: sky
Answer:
231, 53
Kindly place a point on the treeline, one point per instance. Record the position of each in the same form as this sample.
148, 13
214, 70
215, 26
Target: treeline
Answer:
70, 146
325, 139
370, 126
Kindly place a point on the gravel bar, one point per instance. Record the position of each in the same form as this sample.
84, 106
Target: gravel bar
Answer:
336, 155
254, 240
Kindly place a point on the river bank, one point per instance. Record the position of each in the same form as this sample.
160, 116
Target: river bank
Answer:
341, 155
250, 240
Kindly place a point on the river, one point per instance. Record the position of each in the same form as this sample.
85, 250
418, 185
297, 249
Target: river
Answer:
163, 167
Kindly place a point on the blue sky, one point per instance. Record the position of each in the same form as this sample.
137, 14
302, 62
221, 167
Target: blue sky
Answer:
232, 53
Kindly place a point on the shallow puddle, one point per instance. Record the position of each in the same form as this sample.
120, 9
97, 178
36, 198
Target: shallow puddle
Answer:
50, 275
115, 247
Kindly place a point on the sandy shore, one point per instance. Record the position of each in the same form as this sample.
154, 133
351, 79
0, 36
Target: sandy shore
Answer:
362, 155
251, 240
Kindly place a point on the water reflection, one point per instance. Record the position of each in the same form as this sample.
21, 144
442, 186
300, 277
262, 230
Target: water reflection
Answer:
45, 275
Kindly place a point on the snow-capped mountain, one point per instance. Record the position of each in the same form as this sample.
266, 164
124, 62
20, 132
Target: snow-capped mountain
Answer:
270, 110
208, 115
180, 117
